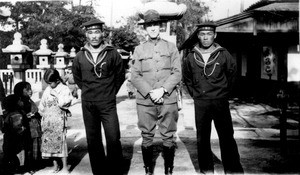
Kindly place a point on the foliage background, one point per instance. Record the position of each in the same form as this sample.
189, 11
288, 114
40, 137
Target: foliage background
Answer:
51, 20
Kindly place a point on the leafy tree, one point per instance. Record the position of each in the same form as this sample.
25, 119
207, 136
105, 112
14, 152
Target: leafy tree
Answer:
196, 11
132, 25
45, 20
124, 38
49, 20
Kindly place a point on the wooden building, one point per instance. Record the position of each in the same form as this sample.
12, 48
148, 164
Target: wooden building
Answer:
261, 38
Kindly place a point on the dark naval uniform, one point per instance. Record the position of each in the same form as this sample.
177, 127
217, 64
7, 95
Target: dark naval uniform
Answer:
99, 82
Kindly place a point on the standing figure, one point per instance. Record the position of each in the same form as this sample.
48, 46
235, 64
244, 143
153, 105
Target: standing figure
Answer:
33, 142
99, 72
155, 73
14, 131
209, 72
53, 106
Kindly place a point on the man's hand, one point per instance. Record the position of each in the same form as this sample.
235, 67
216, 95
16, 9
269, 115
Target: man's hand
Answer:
157, 94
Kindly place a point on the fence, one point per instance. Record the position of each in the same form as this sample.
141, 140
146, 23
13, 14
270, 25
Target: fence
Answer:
7, 77
33, 76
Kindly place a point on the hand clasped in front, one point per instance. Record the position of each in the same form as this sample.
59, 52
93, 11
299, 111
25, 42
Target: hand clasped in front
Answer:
156, 95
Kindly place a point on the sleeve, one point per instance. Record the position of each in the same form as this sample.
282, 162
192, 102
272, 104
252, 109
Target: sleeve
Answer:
33, 106
231, 70
188, 75
137, 79
119, 72
65, 78
42, 103
64, 97
76, 70
17, 123
176, 73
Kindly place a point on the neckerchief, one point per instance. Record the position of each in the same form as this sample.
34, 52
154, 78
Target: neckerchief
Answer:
201, 63
100, 57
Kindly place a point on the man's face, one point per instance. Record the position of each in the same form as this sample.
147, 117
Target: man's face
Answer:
94, 37
153, 29
206, 38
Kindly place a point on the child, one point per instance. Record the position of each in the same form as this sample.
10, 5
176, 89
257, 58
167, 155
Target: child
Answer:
33, 143
14, 131
53, 106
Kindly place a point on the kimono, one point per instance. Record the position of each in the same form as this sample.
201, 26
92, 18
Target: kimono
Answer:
53, 106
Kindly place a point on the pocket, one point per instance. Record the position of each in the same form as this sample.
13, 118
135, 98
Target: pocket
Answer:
101, 70
147, 64
216, 70
165, 60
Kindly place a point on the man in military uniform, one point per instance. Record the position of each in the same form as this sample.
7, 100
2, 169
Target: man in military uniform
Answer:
155, 73
99, 72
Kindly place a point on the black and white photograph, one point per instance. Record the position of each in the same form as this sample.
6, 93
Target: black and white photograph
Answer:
149, 87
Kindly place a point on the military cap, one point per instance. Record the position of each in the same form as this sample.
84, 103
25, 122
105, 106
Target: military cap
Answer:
208, 26
93, 24
151, 16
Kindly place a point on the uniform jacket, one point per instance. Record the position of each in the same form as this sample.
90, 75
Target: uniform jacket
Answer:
212, 80
157, 64
102, 80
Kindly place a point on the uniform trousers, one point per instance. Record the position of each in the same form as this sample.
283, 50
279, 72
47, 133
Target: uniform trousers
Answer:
95, 113
164, 116
217, 110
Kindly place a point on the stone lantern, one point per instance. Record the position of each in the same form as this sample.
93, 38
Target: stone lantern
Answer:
61, 59
44, 55
72, 56
19, 57
167, 10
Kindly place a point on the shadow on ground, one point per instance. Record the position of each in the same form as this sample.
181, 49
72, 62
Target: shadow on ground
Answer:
77, 151
257, 156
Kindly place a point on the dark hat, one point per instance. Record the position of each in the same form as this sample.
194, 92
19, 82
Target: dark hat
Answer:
209, 25
93, 24
151, 16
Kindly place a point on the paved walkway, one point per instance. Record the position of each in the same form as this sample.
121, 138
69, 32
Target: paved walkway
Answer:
255, 128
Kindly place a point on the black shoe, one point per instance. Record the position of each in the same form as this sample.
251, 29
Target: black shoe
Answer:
148, 170
148, 159
169, 154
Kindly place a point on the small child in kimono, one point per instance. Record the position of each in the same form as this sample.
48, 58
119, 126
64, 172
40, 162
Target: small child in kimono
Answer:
53, 108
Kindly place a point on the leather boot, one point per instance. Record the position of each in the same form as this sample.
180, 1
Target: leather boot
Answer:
169, 153
147, 158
